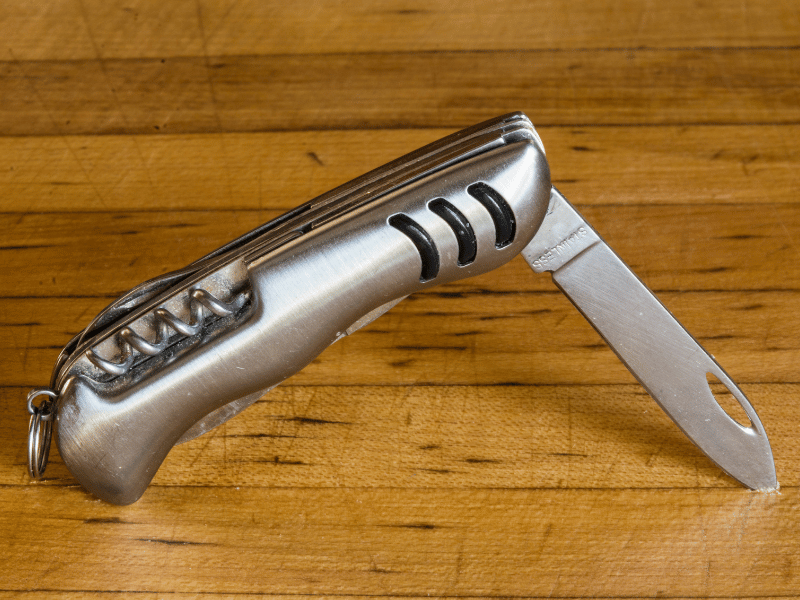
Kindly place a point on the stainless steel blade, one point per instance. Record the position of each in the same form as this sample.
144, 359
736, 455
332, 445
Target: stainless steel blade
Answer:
670, 364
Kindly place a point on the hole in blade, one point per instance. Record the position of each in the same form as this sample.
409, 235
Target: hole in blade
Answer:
727, 401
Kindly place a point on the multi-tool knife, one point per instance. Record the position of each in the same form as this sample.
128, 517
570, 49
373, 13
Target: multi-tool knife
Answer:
182, 353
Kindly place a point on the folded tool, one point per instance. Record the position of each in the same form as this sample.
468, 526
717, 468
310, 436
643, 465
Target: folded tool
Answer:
184, 352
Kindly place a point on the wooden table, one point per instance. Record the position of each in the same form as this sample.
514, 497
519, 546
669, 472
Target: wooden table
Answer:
479, 440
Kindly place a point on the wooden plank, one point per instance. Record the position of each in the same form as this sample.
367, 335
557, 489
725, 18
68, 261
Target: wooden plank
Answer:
597, 166
673, 248
554, 543
396, 90
453, 437
91, 28
467, 336
211, 596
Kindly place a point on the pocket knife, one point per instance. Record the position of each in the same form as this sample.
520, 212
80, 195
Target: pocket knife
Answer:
182, 353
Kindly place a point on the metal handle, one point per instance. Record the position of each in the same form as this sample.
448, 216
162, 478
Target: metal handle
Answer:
113, 435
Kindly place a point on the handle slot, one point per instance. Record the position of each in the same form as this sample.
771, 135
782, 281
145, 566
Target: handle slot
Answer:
501, 213
423, 242
467, 243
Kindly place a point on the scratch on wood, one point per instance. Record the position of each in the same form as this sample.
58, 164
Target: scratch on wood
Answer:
413, 526
744, 517
310, 421
173, 542
105, 520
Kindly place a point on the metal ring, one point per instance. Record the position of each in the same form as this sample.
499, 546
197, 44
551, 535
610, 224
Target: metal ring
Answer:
40, 430
35, 393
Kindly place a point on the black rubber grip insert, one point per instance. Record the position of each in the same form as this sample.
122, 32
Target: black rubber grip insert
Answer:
425, 246
467, 244
501, 213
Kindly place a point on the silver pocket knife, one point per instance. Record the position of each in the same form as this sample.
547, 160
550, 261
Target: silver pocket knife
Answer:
182, 353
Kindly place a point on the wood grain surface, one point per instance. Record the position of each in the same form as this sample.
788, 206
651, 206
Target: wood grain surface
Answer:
479, 440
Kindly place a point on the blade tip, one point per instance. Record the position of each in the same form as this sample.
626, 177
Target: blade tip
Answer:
762, 480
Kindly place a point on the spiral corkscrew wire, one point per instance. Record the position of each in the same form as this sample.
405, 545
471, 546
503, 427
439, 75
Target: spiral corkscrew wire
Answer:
199, 301
43, 416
